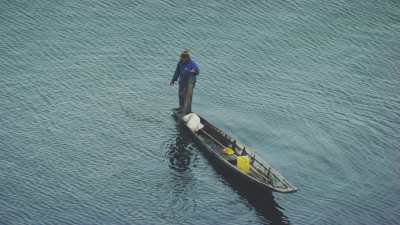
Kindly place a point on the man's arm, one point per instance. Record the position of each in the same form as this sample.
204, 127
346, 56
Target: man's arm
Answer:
195, 70
176, 75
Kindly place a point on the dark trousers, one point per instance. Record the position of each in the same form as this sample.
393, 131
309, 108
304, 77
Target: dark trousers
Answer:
185, 95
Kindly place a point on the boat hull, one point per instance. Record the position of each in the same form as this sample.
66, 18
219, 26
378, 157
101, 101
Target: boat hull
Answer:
229, 168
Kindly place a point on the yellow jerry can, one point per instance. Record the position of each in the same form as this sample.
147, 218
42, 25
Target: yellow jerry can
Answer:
243, 163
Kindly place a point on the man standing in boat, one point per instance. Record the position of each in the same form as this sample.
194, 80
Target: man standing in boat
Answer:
186, 72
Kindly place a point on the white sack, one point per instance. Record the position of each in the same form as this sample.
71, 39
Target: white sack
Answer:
193, 122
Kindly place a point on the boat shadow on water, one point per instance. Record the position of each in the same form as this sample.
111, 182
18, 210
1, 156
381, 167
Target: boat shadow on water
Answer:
180, 158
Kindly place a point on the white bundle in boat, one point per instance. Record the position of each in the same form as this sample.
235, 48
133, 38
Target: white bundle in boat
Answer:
193, 122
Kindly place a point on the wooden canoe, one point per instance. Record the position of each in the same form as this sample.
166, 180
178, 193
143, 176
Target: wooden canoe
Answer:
261, 174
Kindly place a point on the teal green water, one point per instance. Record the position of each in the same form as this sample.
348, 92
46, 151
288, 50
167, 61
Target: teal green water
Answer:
87, 137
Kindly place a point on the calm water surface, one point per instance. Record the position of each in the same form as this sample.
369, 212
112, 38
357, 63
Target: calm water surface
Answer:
87, 137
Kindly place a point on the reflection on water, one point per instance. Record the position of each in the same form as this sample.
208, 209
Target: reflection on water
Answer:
181, 154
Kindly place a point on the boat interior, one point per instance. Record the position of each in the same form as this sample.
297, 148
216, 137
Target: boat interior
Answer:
218, 142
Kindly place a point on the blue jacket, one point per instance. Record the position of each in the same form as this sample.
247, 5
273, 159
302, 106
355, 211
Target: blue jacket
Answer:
183, 71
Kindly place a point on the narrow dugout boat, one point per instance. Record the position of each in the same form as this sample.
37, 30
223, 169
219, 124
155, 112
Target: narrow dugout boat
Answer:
235, 157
